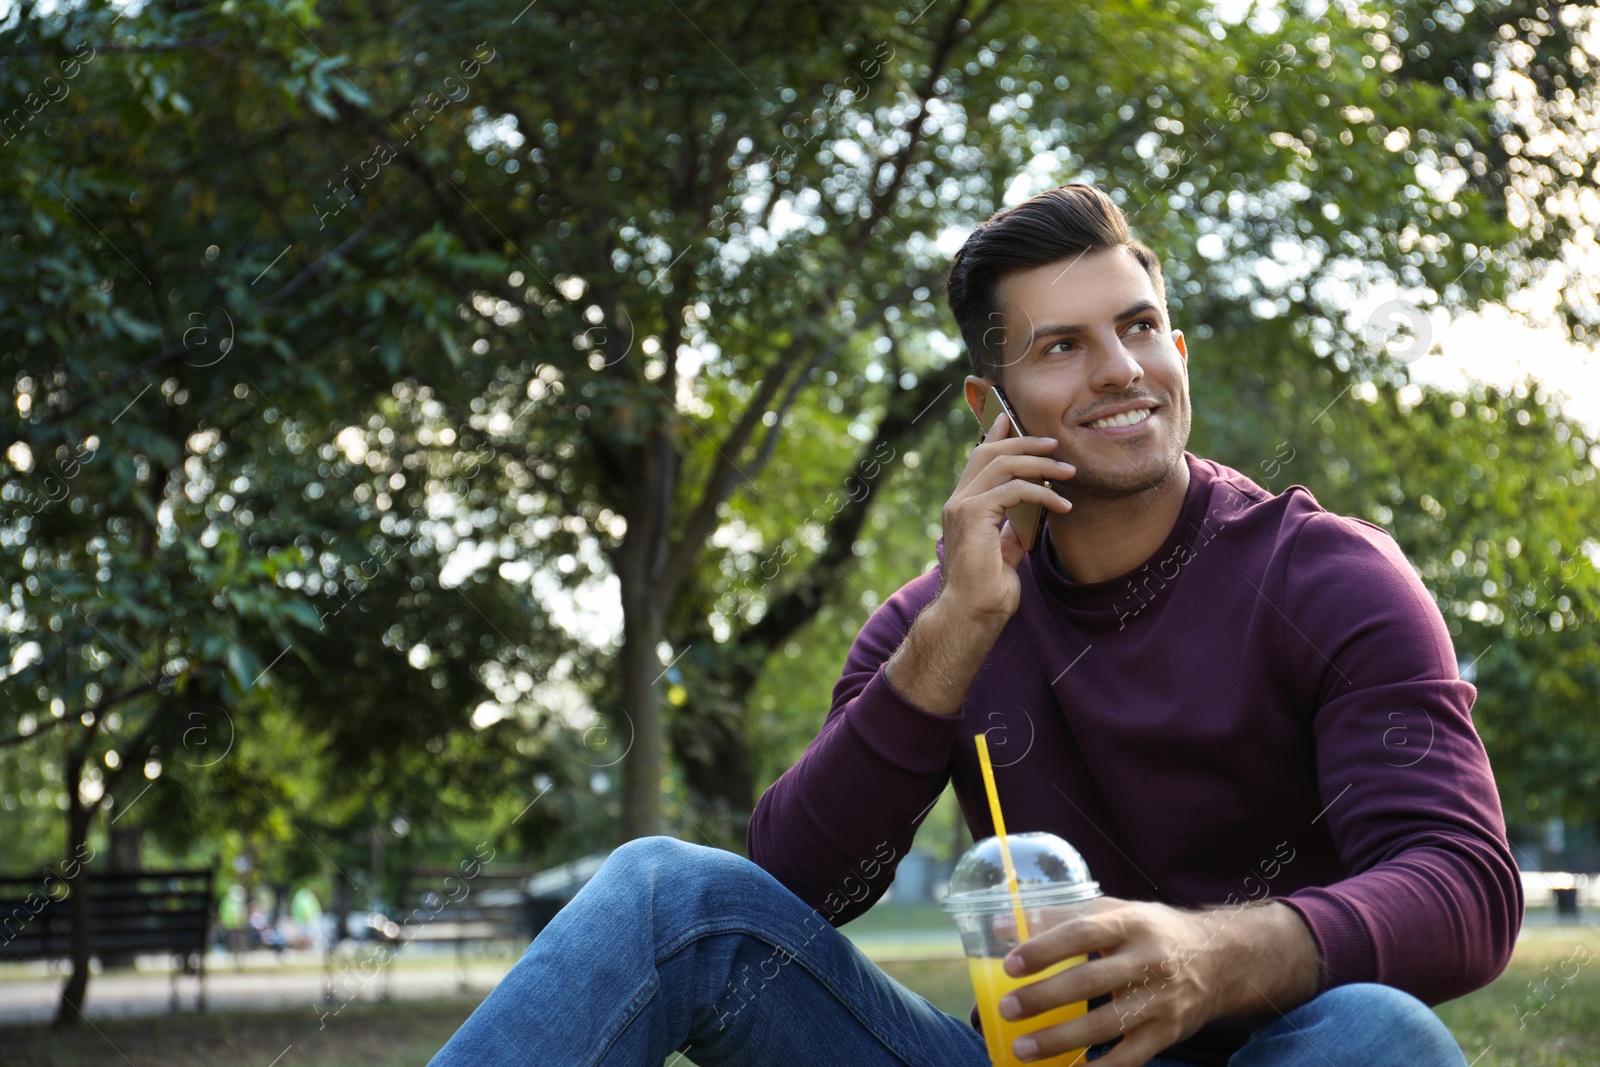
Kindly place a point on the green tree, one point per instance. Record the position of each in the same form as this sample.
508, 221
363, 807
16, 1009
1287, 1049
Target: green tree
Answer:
728, 261
185, 545
651, 295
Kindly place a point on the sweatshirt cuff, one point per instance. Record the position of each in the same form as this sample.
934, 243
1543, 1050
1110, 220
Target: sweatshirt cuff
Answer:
1341, 936
899, 732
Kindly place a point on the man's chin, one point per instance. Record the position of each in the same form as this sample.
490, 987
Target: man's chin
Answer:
1093, 484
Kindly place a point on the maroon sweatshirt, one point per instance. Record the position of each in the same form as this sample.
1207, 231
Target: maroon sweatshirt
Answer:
1268, 707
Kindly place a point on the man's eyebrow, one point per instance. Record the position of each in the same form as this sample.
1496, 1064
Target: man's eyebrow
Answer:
1061, 330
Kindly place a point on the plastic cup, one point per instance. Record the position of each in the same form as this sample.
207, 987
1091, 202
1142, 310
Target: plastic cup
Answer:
1053, 885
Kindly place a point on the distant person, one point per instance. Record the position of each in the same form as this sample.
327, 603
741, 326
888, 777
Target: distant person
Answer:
233, 917
1243, 710
306, 911
264, 920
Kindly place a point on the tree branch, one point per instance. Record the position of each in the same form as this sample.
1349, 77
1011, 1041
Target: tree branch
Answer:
182, 44
172, 352
155, 728
769, 440
103, 705
795, 607
337, 253
719, 481
881, 199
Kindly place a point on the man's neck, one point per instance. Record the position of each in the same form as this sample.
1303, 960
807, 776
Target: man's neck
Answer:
1100, 539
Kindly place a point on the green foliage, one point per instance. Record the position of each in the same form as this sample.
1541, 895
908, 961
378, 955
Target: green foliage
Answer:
220, 624
310, 301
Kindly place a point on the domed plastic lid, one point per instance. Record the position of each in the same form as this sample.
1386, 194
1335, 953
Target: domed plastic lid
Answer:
1049, 871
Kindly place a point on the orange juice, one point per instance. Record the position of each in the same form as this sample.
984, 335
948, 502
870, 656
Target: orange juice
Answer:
991, 982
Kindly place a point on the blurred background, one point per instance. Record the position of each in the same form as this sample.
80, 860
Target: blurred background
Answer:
448, 440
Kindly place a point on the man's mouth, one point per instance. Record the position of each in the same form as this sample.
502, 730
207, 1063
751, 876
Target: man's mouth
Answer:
1123, 418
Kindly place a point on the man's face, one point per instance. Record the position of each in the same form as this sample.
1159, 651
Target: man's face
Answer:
1087, 338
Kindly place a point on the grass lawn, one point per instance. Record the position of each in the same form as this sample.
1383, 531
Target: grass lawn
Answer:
1544, 1011
378, 1035
1506, 1023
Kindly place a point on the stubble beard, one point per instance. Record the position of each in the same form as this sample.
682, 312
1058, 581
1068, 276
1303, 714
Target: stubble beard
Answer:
1131, 473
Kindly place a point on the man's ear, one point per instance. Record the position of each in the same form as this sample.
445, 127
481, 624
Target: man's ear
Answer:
977, 394
1183, 348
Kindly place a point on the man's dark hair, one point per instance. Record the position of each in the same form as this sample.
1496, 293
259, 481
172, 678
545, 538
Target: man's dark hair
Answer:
1061, 223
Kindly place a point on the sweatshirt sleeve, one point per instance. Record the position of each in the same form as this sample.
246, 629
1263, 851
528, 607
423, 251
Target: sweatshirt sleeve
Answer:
1433, 900
834, 826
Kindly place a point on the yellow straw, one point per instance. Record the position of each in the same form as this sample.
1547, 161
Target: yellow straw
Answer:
1000, 832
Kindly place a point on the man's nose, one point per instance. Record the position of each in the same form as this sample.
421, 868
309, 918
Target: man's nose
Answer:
1115, 368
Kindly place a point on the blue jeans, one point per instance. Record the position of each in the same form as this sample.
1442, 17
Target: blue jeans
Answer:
675, 947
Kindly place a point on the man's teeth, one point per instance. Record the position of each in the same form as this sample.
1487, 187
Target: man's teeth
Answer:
1127, 418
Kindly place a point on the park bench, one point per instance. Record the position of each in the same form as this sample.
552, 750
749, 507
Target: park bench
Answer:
497, 904
550, 890
441, 905
131, 912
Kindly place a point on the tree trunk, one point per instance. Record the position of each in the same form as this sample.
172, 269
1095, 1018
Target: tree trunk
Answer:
708, 733
70, 1011
638, 725
126, 843
641, 567
708, 741
122, 854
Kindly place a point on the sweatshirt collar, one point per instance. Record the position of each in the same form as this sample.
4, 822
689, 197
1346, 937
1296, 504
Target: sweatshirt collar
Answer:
1139, 588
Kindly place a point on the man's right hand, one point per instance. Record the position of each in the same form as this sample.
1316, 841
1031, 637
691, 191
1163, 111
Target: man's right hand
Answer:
935, 664
981, 550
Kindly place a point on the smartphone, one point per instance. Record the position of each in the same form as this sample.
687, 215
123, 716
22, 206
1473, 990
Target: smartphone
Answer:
1026, 519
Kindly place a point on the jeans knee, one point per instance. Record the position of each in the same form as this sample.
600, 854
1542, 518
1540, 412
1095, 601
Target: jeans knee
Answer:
1391, 1019
1378, 1006
672, 864
649, 851
673, 886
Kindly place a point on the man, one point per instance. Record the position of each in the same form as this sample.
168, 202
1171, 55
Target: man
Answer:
1242, 710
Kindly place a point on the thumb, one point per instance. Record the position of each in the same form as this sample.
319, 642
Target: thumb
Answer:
1011, 550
